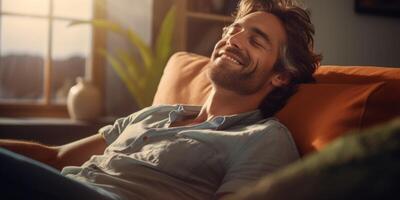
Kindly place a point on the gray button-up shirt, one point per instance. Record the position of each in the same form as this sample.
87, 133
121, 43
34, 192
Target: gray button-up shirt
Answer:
148, 159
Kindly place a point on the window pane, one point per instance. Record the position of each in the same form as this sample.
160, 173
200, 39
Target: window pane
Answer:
71, 47
79, 9
23, 45
39, 7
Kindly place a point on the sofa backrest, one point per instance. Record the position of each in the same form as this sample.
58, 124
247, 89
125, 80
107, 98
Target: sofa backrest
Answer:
342, 99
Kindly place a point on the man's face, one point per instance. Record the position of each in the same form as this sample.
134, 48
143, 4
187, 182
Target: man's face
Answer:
242, 61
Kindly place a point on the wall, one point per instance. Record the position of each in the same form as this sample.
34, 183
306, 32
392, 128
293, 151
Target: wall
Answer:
343, 36
137, 15
349, 38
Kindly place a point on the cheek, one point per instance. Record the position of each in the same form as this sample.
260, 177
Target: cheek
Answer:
267, 60
264, 68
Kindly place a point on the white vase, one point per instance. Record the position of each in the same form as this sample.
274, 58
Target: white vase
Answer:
84, 101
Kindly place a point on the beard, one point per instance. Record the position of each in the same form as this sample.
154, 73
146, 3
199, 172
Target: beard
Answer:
236, 80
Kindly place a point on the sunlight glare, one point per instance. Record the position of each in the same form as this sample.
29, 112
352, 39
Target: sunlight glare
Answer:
26, 35
80, 9
16, 40
38, 7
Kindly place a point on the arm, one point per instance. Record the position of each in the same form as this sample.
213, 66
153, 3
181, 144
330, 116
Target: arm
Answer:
74, 153
35, 151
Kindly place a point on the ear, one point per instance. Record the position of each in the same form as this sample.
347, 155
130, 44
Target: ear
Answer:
280, 79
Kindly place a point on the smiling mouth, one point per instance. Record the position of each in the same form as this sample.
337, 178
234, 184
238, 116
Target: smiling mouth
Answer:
234, 57
231, 59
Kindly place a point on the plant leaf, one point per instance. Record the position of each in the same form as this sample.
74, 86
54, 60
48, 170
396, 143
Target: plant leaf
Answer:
144, 49
129, 83
133, 37
141, 81
164, 38
132, 67
102, 23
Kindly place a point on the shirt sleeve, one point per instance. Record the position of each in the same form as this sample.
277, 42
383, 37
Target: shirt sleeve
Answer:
111, 132
263, 153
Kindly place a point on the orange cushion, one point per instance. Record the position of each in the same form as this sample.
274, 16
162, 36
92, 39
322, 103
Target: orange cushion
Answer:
383, 104
184, 80
344, 98
319, 113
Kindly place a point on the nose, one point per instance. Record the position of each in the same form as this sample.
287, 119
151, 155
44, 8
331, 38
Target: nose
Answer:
237, 39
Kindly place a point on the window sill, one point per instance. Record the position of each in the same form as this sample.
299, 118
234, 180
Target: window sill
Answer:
51, 131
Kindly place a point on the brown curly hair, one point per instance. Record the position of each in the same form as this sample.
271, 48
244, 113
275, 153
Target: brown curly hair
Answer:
297, 57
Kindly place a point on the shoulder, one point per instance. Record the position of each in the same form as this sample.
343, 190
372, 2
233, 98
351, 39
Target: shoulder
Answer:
271, 131
269, 125
273, 127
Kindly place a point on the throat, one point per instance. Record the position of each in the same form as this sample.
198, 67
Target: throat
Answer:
183, 122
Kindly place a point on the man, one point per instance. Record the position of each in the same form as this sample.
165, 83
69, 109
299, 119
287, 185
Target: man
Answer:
192, 152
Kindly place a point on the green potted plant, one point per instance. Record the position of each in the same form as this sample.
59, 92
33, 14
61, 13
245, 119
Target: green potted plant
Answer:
141, 77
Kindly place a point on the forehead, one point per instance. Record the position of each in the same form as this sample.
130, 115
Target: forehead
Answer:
267, 23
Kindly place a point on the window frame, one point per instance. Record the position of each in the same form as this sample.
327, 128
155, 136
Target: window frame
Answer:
46, 108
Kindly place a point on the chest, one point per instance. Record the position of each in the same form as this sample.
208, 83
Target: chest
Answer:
195, 153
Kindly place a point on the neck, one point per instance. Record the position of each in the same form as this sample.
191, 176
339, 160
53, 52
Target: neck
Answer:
224, 102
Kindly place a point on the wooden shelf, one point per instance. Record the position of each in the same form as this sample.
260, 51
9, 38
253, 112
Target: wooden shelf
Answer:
198, 31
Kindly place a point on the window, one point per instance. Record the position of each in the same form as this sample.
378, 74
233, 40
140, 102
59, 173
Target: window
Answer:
41, 55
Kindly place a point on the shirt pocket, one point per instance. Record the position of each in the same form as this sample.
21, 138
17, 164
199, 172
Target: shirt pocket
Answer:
179, 156
128, 138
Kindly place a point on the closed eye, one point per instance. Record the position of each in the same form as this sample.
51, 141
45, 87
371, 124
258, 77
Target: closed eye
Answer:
255, 42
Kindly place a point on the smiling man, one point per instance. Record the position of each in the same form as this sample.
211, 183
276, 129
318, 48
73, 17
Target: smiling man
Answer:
246, 55
191, 152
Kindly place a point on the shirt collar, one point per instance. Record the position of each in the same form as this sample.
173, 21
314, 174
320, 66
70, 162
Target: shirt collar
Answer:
218, 122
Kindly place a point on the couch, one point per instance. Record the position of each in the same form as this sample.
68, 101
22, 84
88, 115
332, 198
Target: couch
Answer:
330, 120
343, 98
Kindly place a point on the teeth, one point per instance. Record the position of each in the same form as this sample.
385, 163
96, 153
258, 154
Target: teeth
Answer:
231, 59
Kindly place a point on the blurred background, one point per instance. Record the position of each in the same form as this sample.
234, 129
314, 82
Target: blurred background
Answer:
41, 55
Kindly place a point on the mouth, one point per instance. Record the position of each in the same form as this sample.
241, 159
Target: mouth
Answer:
231, 59
234, 56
